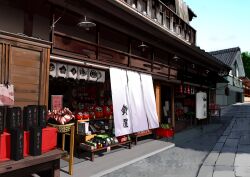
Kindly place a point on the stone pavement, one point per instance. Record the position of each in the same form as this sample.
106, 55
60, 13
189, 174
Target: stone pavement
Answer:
230, 156
115, 159
192, 149
220, 149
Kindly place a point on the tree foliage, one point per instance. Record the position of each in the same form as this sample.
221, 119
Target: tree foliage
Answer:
246, 62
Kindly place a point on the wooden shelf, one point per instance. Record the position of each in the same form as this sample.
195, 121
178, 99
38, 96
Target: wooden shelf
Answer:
92, 152
104, 118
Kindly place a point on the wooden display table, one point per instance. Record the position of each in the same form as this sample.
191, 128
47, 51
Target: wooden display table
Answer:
47, 164
137, 135
92, 152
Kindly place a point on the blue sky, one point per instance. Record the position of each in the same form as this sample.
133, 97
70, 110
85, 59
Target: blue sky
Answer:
221, 24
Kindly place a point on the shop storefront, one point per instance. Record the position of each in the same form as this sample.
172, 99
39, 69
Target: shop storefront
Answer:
112, 81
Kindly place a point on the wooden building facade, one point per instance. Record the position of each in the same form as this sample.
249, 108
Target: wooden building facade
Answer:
147, 36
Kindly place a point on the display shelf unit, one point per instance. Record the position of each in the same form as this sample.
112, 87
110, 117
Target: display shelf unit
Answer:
84, 138
108, 148
137, 135
48, 164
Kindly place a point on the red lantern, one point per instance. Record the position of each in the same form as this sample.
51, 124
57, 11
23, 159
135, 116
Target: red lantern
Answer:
79, 116
106, 111
98, 112
86, 115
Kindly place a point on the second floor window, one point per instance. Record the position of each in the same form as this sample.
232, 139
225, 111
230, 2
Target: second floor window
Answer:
144, 6
134, 3
154, 10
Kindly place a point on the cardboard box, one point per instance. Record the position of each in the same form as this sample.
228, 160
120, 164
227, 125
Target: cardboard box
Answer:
4, 146
49, 139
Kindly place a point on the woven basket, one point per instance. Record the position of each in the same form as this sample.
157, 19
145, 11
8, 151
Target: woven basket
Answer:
62, 128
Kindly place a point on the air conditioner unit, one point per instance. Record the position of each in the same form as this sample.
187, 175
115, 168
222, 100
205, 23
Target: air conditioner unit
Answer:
62, 70
82, 73
96, 75
72, 71
52, 69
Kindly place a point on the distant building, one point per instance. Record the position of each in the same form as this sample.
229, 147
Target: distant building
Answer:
231, 90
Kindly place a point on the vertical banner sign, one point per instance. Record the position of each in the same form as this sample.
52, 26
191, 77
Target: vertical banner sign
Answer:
121, 108
201, 105
149, 100
56, 102
136, 102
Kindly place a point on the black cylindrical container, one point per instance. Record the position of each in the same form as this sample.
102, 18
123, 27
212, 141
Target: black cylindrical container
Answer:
16, 144
2, 114
35, 141
11, 119
30, 115
42, 116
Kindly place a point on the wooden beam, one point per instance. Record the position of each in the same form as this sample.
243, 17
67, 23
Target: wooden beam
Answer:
28, 18
129, 51
158, 100
97, 41
172, 107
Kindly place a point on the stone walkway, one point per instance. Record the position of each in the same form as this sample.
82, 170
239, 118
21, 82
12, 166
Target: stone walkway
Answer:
220, 149
230, 156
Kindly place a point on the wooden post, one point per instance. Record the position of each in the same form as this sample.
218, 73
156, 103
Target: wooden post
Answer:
63, 141
158, 100
97, 41
71, 151
172, 107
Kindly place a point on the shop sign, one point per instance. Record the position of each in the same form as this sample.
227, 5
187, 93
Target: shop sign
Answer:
201, 105
56, 102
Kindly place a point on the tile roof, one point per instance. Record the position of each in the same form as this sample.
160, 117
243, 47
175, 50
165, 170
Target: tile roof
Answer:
227, 56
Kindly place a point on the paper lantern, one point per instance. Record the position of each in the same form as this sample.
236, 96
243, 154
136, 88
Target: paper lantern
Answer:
82, 73
62, 70
72, 71
52, 69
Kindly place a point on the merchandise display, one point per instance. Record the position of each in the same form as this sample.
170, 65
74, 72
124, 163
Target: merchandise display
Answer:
49, 139
165, 130
35, 140
99, 141
60, 117
90, 103
5, 146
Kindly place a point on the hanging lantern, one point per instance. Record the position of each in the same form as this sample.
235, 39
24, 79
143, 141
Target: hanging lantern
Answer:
82, 73
52, 69
62, 70
181, 88
72, 72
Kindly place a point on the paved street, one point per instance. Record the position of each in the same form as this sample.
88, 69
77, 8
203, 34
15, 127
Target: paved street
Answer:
215, 151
